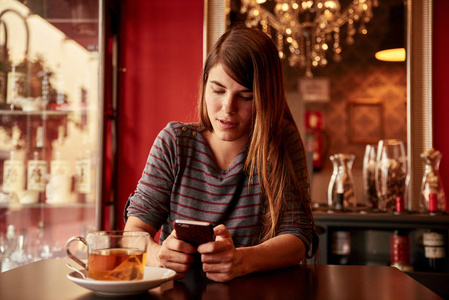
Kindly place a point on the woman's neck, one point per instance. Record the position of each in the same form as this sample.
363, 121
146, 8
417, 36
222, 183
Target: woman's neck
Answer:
224, 152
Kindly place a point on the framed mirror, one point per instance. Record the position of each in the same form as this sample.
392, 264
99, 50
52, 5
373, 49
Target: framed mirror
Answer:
418, 98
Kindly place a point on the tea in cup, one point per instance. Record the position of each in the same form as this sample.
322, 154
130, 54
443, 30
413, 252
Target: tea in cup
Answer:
113, 255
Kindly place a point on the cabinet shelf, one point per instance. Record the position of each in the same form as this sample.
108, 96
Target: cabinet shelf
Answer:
50, 104
20, 206
382, 220
370, 235
37, 113
370, 243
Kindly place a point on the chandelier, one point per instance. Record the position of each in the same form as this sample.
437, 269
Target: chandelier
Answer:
305, 30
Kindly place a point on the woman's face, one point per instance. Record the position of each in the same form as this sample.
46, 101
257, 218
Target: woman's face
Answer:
229, 106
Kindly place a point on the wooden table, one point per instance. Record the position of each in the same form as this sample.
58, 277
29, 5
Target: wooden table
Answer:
47, 280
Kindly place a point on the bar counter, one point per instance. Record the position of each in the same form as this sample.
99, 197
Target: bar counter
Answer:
46, 279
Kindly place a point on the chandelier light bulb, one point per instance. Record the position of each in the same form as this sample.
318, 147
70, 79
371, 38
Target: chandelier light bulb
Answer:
306, 5
331, 4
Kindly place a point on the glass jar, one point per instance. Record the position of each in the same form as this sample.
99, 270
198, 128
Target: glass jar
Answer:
344, 183
391, 173
432, 184
369, 177
331, 194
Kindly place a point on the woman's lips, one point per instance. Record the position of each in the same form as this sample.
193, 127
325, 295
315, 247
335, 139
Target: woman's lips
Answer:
227, 124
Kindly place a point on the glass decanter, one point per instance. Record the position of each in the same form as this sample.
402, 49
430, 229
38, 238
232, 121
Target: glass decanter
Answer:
344, 183
331, 194
391, 173
431, 182
369, 177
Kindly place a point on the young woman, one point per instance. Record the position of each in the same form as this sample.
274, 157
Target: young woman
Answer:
242, 168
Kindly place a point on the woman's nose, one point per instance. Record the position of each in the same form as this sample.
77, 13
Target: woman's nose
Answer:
229, 104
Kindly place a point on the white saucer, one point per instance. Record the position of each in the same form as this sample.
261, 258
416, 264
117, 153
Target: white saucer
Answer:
153, 277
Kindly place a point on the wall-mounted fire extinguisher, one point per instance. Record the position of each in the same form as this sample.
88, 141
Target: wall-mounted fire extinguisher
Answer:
316, 140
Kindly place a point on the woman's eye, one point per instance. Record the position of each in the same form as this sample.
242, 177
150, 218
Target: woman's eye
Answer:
218, 92
247, 97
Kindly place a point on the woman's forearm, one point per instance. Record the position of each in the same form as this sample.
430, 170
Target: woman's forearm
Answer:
278, 252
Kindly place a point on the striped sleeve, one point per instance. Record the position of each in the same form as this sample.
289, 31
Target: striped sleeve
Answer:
150, 201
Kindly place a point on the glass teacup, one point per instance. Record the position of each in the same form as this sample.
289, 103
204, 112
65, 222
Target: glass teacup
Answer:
113, 255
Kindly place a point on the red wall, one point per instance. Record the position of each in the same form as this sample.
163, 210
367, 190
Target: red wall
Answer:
161, 48
441, 86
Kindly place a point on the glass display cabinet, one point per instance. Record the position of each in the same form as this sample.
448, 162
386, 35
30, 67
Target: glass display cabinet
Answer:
49, 126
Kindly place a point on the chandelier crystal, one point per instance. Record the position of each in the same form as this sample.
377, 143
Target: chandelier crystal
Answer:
304, 30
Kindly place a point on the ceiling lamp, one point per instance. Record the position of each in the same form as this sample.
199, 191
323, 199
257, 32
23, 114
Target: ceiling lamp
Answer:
395, 54
392, 44
304, 30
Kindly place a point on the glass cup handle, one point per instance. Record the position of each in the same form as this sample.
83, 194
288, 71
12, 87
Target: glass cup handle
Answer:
71, 255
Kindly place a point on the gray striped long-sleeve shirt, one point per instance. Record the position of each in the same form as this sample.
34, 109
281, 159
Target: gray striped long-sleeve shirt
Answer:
181, 181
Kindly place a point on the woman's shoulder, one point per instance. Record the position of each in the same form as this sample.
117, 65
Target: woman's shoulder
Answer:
183, 133
180, 128
186, 137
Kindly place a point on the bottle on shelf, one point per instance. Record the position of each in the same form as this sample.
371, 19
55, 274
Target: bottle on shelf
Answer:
37, 171
400, 207
433, 205
16, 83
4, 66
339, 197
435, 250
14, 169
20, 255
9, 246
42, 247
61, 98
58, 187
84, 174
400, 256
341, 247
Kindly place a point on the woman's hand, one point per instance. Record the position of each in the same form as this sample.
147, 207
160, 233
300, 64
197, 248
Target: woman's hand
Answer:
176, 255
221, 260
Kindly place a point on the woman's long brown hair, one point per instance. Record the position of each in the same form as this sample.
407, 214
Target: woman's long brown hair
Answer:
250, 58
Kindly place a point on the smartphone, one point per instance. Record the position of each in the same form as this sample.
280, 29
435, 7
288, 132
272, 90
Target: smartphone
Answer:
194, 232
